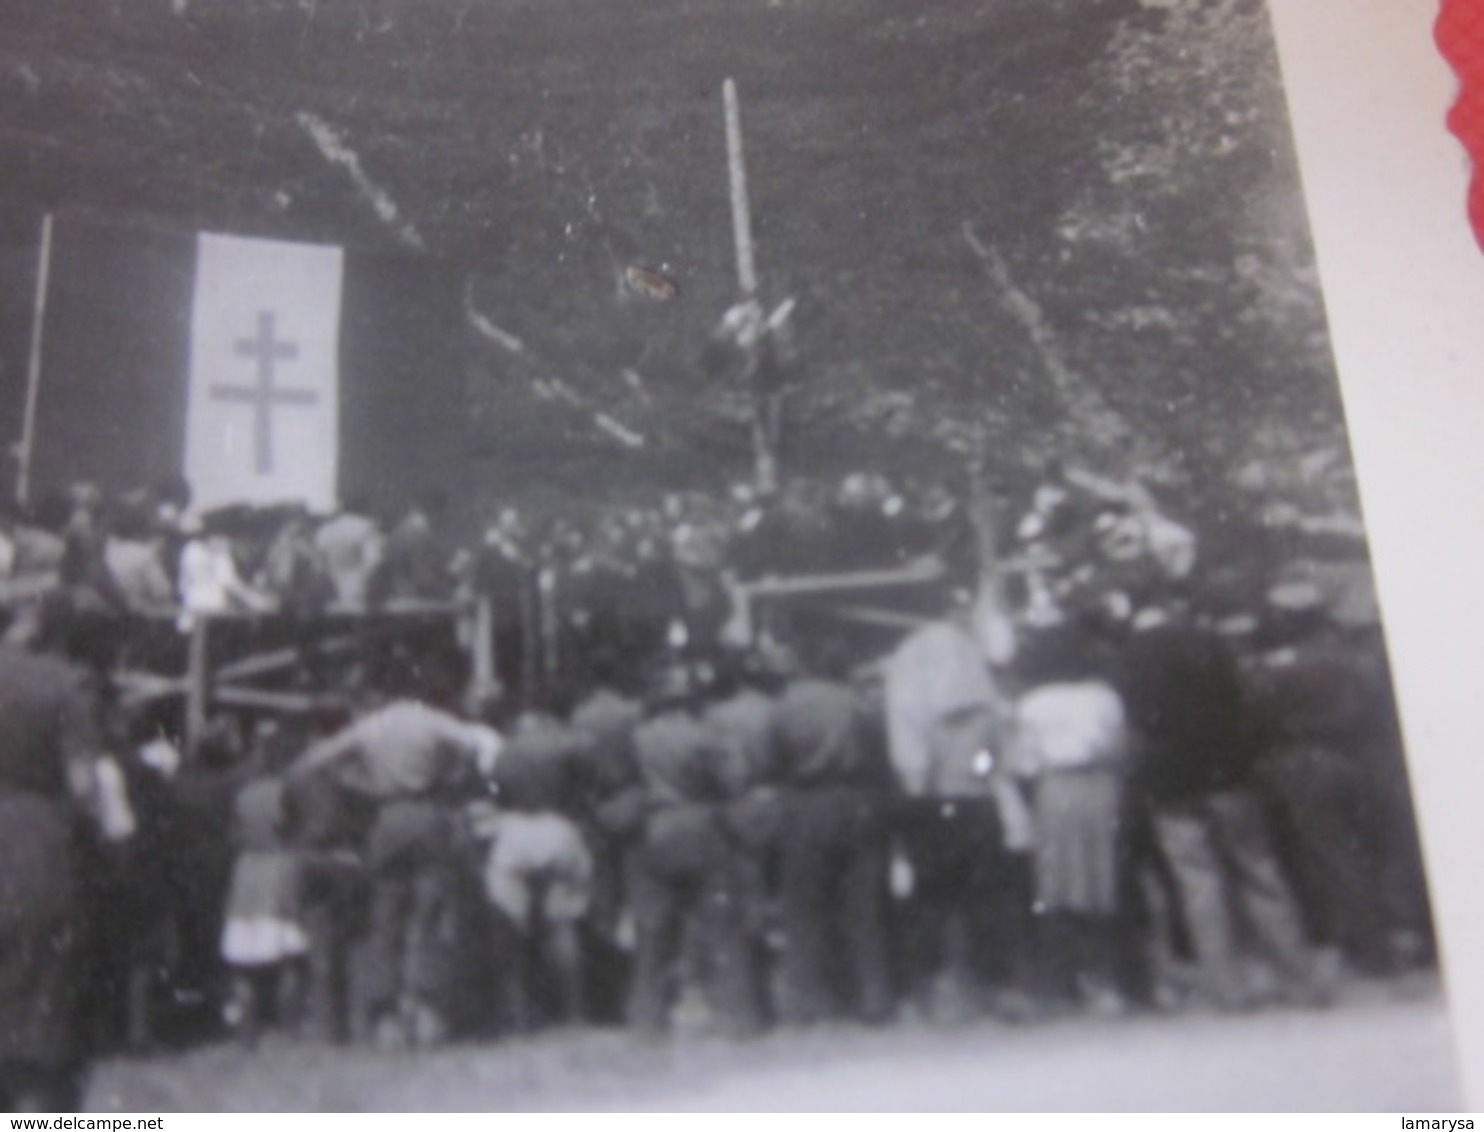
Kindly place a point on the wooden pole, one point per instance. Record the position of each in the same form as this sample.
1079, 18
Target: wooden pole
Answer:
549, 613
741, 210
765, 455
485, 681
993, 625
765, 458
33, 368
198, 677
530, 633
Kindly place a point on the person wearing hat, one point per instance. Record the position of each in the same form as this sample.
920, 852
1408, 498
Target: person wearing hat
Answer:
687, 877
1330, 763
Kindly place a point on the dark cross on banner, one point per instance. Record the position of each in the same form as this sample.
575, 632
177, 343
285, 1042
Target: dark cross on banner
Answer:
265, 349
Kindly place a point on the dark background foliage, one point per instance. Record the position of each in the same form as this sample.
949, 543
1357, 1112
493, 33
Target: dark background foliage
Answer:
1040, 229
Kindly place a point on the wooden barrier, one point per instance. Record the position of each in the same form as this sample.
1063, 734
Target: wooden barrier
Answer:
239, 680
745, 596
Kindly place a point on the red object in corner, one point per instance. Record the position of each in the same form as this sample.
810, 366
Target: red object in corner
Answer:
1460, 36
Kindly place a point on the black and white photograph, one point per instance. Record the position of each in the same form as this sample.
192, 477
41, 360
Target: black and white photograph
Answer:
686, 555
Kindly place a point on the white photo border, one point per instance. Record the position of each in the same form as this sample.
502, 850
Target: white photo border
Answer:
1403, 283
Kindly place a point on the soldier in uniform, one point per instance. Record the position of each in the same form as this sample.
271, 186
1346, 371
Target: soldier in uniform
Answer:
539, 871
612, 819
740, 718
687, 874
833, 850
407, 760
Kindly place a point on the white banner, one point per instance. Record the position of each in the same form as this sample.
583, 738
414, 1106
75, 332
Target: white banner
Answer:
263, 420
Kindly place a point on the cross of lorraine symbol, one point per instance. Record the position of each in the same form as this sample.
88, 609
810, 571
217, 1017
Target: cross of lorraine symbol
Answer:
264, 395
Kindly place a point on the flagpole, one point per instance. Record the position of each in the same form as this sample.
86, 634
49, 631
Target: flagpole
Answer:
765, 458
741, 211
33, 369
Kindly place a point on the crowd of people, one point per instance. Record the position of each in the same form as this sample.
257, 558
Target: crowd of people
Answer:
1096, 788
632, 576
128, 546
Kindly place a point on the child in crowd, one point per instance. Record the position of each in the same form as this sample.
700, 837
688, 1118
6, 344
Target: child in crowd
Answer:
263, 940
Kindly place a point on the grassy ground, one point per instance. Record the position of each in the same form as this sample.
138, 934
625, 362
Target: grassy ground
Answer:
1349, 1057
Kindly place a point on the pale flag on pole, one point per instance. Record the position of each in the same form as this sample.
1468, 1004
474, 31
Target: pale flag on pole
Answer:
262, 421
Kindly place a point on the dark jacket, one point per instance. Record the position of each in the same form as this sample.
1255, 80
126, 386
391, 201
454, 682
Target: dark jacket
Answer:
1183, 691
541, 768
1319, 695
679, 760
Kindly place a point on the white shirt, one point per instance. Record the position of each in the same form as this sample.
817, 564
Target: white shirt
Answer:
938, 673
209, 582
1065, 726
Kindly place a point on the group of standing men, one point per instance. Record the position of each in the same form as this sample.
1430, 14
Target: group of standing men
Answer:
788, 835
782, 835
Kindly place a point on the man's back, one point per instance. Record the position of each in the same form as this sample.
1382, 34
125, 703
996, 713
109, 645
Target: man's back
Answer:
677, 758
742, 725
540, 767
46, 718
403, 749
609, 720
818, 735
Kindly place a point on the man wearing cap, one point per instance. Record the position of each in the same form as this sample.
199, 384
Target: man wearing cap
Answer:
833, 848
687, 875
